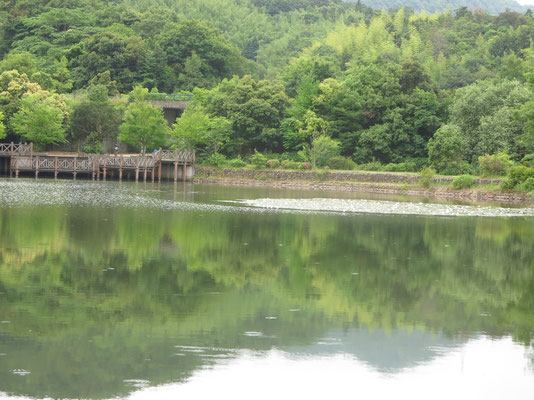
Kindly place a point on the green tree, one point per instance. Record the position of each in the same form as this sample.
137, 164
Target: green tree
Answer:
95, 118
196, 129
484, 112
40, 119
143, 125
446, 148
255, 109
313, 128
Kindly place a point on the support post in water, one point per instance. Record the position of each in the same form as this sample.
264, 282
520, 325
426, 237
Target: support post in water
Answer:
184, 171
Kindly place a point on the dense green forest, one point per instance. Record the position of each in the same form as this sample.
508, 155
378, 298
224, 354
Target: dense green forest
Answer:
320, 82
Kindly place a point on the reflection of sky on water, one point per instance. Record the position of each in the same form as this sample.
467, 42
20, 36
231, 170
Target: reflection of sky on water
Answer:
387, 352
480, 369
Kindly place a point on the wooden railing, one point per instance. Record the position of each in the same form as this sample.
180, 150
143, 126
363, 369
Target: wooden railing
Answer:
16, 148
22, 158
176, 155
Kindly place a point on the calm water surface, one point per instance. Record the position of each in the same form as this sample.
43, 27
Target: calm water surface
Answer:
111, 290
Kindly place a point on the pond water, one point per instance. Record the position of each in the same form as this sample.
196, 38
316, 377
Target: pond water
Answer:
124, 290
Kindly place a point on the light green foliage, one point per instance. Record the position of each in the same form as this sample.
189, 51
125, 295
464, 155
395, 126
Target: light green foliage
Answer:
516, 176
426, 177
341, 163
484, 113
40, 119
2, 126
195, 129
463, 182
216, 160
312, 128
258, 160
143, 126
236, 163
495, 164
325, 149
528, 185
446, 148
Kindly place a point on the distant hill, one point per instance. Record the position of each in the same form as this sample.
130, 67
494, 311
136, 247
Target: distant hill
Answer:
431, 6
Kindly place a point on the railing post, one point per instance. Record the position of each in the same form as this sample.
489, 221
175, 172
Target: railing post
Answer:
36, 166
11, 149
74, 168
55, 168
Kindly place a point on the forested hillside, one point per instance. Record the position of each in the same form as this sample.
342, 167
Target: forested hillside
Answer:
301, 81
432, 6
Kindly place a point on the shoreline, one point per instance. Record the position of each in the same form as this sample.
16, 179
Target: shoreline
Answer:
388, 183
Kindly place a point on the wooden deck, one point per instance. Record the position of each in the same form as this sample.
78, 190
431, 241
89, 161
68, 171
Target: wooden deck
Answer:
23, 158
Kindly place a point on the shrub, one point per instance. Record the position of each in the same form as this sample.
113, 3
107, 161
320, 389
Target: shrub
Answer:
427, 177
459, 168
528, 160
520, 174
463, 182
340, 162
527, 186
507, 184
325, 149
285, 164
258, 160
322, 174
408, 166
372, 166
236, 163
495, 164
273, 163
217, 160
95, 148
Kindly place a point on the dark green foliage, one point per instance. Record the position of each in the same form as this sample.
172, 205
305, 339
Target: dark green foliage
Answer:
463, 182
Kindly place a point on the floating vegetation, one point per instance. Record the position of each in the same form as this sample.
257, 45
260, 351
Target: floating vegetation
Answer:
23, 193
387, 207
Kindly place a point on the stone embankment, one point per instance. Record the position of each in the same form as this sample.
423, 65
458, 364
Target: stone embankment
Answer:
356, 181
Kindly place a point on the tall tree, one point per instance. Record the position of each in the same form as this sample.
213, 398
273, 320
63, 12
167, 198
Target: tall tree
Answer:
144, 125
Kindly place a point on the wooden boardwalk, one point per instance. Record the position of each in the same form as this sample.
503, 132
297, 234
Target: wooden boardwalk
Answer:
23, 158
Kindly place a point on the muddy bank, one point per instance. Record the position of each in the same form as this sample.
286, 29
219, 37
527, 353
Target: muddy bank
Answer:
361, 181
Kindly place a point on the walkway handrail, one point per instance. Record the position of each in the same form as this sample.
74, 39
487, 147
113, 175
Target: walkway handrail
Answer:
16, 148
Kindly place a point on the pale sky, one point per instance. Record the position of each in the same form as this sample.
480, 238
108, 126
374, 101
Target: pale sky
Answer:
526, 2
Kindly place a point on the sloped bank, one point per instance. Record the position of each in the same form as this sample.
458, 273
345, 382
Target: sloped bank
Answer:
356, 181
